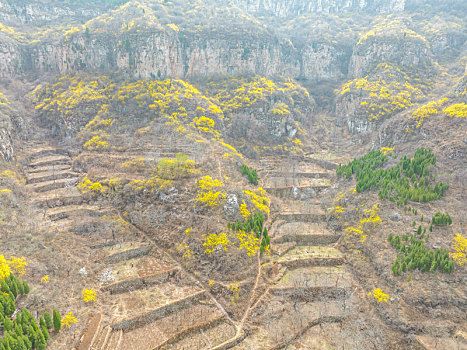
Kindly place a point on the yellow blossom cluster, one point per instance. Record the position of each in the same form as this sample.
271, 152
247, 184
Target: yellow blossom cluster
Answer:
175, 168
386, 150
379, 295
369, 218
381, 97
89, 295
69, 319
259, 199
96, 144
427, 110
87, 186
209, 193
3, 99
212, 241
14, 264
235, 290
460, 249
458, 110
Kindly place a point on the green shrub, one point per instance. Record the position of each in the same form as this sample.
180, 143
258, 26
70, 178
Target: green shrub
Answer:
251, 174
57, 320
415, 255
441, 219
409, 179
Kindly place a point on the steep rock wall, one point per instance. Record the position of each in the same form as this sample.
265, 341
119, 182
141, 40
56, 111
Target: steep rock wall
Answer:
408, 52
42, 12
164, 54
288, 8
10, 57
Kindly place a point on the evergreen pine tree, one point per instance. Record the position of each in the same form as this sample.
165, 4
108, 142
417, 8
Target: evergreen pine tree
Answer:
45, 333
42, 322
31, 334
7, 324
40, 342
48, 320
26, 287
14, 289
57, 321
20, 288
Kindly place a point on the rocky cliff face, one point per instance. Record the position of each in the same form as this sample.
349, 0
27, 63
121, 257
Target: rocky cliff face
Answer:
288, 8
401, 52
10, 57
38, 13
165, 53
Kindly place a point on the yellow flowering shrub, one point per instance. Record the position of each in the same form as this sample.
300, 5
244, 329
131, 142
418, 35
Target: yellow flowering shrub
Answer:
95, 144
5, 269
384, 96
460, 249
69, 319
244, 210
186, 250
45, 279
89, 295
87, 186
337, 211
175, 168
135, 164
368, 219
379, 295
248, 241
3, 99
280, 109
207, 192
18, 265
458, 110
151, 184
174, 27
234, 288
385, 150
259, 199
427, 110
212, 241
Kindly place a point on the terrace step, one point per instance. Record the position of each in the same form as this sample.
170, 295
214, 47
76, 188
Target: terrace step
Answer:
100, 340
301, 256
302, 217
205, 338
53, 184
60, 213
50, 160
302, 174
48, 169
168, 331
311, 294
283, 248
114, 341
90, 332
296, 192
159, 313
126, 255
210, 321
58, 197
50, 175
141, 282
315, 276
307, 238
47, 151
